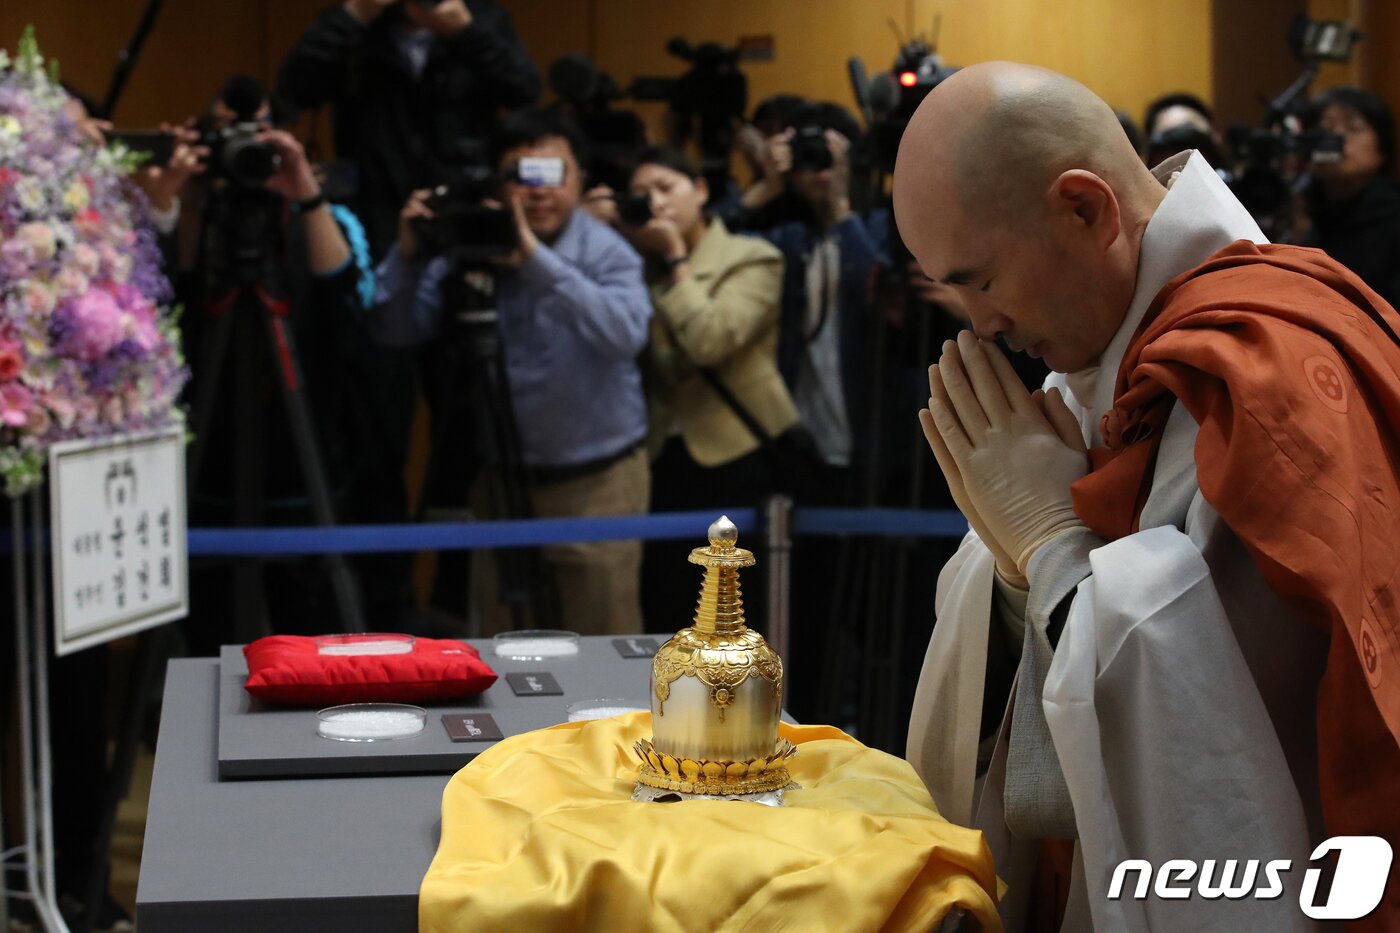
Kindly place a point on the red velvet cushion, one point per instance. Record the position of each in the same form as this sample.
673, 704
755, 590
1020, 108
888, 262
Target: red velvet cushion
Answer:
287, 670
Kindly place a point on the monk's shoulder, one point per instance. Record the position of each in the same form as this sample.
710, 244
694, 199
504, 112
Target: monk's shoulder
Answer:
1266, 278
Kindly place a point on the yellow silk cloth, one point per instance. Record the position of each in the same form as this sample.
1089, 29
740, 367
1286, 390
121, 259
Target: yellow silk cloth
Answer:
540, 833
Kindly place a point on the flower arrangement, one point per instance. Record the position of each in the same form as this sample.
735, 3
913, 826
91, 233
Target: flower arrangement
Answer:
89, 346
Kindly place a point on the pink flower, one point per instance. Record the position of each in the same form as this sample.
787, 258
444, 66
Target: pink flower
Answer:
11, 362
112, 411
38, 299
15, 402
87, 412
38, 240
86, 259
99, 325
142, 328
39, 421
62, 410
70, 282
135, 404
88, 220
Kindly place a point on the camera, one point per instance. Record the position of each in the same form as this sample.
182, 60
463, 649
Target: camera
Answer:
706, 102
236, 153
810, 151
889, 98
1264, 164
633, 209
464, 228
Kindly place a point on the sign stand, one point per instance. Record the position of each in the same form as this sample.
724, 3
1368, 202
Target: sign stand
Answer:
36, 758
116, 532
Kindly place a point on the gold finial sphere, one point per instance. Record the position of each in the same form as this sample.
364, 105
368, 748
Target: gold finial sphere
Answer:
724, 533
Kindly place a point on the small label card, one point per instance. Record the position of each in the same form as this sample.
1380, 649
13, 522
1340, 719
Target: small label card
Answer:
540, 684
472, 727
636, 647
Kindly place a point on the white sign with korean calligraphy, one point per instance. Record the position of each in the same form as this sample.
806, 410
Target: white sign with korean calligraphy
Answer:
118, 544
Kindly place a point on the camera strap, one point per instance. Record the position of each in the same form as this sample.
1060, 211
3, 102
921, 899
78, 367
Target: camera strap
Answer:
724, 392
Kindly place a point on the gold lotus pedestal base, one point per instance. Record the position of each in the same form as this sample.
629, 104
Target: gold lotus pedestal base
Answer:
706, 778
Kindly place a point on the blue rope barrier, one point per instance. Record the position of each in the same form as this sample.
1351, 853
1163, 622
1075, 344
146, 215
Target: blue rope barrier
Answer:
447, 536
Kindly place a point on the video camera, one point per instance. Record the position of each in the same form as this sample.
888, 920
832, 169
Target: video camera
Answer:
614, 136
470, 231
464, 228
1264, 163
888, 99
708, 102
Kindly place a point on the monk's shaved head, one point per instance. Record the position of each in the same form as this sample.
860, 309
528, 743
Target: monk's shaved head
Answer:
1006, 131
1005, 150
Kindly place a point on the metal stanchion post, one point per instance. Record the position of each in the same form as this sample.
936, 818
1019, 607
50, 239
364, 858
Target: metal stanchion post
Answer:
32, 663
778, 515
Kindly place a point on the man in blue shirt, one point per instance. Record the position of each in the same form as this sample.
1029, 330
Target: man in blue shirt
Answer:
574, 314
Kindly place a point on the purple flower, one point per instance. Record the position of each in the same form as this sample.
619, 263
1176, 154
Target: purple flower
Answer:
85, 340
93, 325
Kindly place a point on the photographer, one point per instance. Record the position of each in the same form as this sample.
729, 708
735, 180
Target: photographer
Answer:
822, 344
416, 88
313, 261
573, 313
766, 146
1177, 122
1354, 203
715, 333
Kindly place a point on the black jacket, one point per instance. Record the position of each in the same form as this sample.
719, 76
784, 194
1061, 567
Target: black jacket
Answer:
405, 132
1362, 234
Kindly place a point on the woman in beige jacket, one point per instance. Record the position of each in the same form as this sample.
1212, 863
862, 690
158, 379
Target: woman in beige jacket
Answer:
716, 298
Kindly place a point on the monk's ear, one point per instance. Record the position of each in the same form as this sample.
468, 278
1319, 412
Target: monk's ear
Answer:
1086, 201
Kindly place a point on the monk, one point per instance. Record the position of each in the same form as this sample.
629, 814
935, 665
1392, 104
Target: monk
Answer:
1172, 630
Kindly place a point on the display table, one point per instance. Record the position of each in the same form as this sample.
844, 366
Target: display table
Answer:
327, 852
276, 856
301, 854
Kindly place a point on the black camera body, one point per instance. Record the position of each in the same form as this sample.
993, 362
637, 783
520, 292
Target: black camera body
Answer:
236, 154
633, 209
462, 227
810, 150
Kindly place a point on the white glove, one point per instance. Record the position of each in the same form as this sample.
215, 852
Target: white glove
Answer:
1009, 457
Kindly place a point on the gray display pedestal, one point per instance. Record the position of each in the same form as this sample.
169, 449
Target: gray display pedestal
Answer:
309, 854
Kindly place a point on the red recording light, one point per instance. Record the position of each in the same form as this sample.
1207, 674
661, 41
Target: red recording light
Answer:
908, 78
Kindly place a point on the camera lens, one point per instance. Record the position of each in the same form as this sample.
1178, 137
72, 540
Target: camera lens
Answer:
250, 162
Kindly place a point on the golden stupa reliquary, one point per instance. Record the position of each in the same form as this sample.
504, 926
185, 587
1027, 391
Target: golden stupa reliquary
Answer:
716, 692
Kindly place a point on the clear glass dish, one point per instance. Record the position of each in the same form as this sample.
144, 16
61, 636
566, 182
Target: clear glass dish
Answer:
370, 722
602, 708
361, 643
536, 644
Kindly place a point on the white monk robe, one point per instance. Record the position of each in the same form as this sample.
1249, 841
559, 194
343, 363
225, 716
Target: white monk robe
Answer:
1180, 697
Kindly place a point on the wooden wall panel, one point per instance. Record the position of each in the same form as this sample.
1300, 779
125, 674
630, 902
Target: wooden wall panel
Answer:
1127, 50
193, 47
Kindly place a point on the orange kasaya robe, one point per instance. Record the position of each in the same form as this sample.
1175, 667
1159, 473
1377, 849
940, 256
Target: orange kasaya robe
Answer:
1291, 367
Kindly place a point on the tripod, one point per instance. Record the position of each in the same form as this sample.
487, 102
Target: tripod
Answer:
873, 577
249, 321
473, 347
